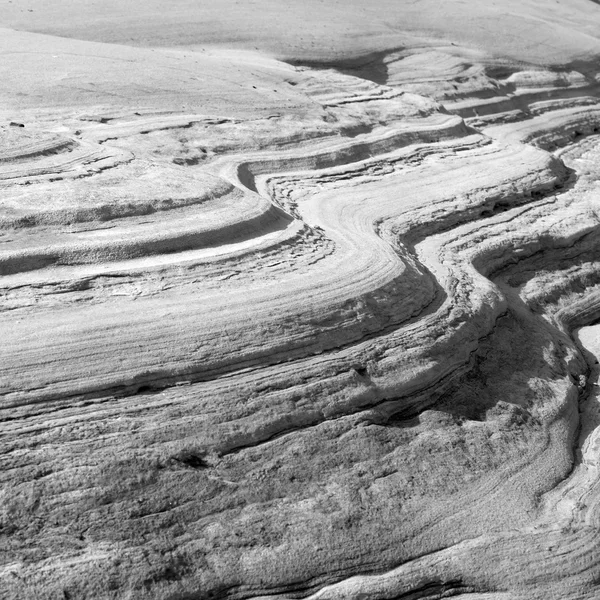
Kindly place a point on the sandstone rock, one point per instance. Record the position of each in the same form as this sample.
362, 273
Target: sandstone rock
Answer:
300, 319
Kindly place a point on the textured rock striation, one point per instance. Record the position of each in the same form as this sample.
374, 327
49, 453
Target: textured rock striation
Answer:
317, 328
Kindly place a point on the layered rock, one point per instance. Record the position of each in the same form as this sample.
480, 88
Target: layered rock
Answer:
326, 351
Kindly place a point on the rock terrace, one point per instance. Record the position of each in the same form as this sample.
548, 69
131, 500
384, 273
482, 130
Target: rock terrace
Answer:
290, 325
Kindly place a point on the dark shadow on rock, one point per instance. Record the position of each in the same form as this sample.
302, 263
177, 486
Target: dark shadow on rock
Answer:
371, 66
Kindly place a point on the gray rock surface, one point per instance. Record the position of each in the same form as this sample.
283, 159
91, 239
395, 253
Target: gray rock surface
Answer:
299, 312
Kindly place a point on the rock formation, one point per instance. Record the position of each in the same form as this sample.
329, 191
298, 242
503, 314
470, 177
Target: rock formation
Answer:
282, 319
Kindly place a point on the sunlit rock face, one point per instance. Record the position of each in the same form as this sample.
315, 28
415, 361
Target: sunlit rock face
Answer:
300, 302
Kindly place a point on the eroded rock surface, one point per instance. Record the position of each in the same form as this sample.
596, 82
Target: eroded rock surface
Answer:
300, 329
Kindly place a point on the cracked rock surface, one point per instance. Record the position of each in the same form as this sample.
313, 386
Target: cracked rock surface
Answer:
300, 311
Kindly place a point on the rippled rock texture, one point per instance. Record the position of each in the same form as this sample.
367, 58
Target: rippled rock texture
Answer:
301, 323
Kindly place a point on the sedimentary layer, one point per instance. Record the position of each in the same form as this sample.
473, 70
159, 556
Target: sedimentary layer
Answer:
331, 338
